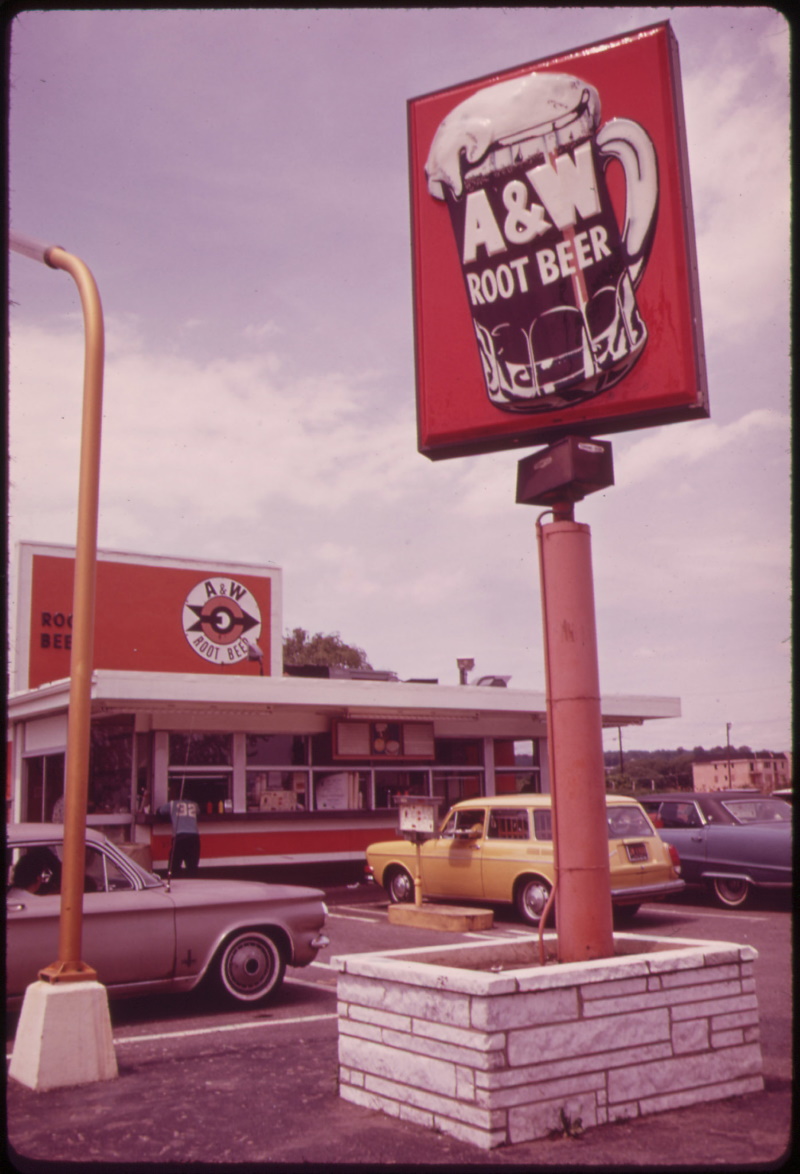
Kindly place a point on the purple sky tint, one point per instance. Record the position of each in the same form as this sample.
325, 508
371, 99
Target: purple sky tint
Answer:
237, 181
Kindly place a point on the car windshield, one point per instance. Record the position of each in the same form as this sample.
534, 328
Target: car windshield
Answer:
627, 821
758, 810
465, 823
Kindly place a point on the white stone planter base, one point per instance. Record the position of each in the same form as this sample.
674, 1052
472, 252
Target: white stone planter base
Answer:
441, 1037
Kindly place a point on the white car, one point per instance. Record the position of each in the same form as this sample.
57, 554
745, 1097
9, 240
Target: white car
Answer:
142, 934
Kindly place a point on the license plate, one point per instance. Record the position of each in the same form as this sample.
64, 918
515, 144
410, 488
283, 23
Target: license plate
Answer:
636, 852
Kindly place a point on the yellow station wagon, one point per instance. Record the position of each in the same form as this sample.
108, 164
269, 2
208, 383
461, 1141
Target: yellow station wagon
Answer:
499, 849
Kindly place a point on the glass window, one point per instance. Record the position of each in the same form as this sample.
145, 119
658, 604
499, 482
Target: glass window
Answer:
459, 751
452, 785
758, 810
516, 752
464, 825
391, 783
212, 792
627, 821
680, 815
196, 749
508, 825
44, 788
322, 749
276, 790
518, 782
543, 824
111, 764
103, 875
276, 750
341, 790
41, 872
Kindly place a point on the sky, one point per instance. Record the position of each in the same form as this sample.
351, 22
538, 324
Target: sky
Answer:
237, 182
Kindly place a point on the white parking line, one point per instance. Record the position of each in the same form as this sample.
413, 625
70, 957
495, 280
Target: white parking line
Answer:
500, 933
317, 986
250, 1025
729, 914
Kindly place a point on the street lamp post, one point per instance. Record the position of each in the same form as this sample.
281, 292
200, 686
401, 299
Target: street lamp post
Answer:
37, 1059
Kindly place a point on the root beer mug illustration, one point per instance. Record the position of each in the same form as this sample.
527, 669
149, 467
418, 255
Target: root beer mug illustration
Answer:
550, 277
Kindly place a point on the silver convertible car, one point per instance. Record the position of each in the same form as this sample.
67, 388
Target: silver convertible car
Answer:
731, 841
142, 934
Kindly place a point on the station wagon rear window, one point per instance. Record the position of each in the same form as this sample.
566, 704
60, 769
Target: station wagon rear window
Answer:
627, 821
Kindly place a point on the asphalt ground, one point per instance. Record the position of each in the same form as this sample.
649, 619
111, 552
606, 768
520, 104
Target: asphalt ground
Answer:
261, 1091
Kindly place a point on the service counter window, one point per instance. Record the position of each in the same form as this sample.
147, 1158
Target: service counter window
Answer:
210, 791
273, 782
201, 768
341, 790
391, 784
452, 785
276, 790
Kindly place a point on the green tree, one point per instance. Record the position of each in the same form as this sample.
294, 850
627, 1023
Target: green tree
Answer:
300, 647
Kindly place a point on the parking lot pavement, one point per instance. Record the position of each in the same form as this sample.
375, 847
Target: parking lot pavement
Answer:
248, 1089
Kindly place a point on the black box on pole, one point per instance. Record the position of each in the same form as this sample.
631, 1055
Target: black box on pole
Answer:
565, 471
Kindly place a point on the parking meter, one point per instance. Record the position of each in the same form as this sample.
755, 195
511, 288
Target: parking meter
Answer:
417, 824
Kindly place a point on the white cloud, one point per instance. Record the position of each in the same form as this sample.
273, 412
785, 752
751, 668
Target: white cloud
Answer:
739, 159
649, 457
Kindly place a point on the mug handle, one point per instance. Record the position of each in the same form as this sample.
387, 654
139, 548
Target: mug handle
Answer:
630, 143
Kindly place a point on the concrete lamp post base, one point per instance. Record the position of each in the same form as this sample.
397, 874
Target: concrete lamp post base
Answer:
63, 1036
445, 918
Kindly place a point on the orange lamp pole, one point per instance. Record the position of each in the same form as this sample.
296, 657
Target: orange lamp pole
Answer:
575, 737
68, 967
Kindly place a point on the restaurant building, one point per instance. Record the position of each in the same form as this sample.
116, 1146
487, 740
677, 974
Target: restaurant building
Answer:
190, 698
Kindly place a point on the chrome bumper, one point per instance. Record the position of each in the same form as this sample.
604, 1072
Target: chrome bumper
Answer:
647, 893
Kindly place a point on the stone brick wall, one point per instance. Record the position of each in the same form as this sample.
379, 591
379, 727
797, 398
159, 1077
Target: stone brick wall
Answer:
499, 1058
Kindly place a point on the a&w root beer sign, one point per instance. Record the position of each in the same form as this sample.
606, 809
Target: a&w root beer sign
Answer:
555, 277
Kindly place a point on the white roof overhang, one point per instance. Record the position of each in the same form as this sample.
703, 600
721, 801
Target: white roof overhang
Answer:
163, 693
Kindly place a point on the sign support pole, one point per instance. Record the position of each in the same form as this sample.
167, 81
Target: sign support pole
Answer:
584, 914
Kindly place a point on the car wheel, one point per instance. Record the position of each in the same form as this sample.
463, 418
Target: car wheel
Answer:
250, 967
731, 891
400, 886
625, 913
531, 897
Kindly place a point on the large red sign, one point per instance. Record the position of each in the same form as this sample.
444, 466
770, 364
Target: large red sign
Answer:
555, 278
151, 616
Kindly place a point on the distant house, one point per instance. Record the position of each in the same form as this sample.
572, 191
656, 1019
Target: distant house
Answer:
765, 772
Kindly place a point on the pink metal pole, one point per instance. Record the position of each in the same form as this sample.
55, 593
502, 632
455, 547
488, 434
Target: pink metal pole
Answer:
583, 905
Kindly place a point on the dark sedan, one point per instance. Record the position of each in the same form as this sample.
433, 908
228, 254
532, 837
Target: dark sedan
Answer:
730, 841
